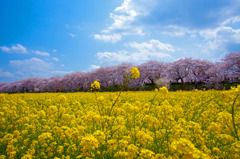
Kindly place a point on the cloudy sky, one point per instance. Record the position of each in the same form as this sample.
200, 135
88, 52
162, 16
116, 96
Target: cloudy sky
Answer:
54, 37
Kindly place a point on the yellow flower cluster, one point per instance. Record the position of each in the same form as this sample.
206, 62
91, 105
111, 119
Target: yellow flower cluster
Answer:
187, 148
179, 125
237, 89
95, 85
163, 90
135, 72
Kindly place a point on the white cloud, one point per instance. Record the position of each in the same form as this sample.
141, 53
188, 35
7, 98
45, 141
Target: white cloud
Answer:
72, 35
105, 31
93, 67
33, 64
123, 16
18, 48
125, 20
218, 39
48, 73
20, 73
209, 33
223, 33
231, 20
60, 72
113, 56
41, 53
176, 31
152, 49
108, 38
54, 50
152, 46
5, 74
55, 59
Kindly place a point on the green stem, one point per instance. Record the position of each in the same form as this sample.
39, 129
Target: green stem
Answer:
231, 130
114, 103
97, 103
134, 129
153, 98
125, 84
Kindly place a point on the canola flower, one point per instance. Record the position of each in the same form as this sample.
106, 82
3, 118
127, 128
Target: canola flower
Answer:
95, 85
163, 90
194, 124
135, 72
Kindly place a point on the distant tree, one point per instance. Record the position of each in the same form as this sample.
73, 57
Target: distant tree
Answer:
43, 84
163, 82
55, 84
198, 70
28, 84
3, 87
121, 69
179, 70
215, 75
102, 75
232, 65
73, 81
151, 71
13, 87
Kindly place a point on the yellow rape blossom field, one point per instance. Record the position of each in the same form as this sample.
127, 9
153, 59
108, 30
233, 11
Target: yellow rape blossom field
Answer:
157, 124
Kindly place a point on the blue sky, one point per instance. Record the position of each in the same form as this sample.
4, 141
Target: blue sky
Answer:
49, 38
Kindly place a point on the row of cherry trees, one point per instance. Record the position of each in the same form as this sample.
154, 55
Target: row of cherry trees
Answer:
182, 71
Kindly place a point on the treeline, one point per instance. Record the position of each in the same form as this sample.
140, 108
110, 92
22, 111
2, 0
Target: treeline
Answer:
184, 73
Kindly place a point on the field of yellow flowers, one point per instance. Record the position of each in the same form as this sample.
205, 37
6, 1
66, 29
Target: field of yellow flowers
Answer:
157, 124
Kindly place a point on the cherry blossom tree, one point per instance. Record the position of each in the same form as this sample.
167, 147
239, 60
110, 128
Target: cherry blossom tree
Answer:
29, 84
215, 75
232, 65
151, 71
198, 70
179, 70
42, 85
13, 87
55, 84
121, 70
154, 72
3, 87
73, 81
